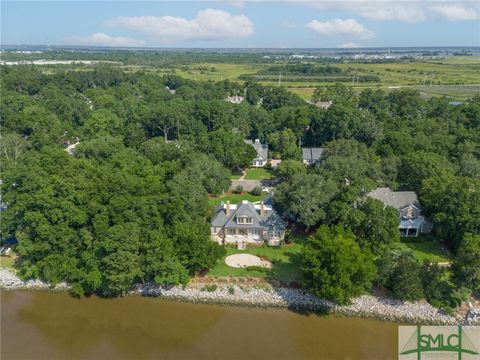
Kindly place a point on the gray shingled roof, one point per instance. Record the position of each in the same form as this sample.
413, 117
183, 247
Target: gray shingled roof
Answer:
269, 221
312, 154
396, 199
261, 149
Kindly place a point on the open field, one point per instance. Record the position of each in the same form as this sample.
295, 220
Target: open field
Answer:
433, 78
460, 92
425, 248
453, 71
457, 77
285, 263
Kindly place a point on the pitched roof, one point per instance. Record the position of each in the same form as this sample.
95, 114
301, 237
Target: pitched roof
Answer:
261, 149
397, 199
312, 153
269, 221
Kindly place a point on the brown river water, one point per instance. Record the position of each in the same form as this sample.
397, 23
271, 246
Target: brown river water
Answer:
43, 325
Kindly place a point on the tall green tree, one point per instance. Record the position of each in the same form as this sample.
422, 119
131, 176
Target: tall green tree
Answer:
466, 266
419, 166
335, 267
285, 143
305, 198
453, 203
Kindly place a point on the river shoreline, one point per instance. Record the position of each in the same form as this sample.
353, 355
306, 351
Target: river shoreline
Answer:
366, 306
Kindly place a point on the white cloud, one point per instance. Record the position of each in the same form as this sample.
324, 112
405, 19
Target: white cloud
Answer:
456, 12
349, 45
288, 24
103, 39
405, 11
208, 25
348, 28
386, 12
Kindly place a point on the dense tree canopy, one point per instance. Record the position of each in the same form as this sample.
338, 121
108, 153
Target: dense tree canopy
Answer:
106, 220
131, 204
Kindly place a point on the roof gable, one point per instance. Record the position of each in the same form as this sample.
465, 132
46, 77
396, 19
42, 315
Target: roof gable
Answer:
261, 149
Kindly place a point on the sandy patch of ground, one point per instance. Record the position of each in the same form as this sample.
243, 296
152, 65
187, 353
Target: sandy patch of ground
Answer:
245, 260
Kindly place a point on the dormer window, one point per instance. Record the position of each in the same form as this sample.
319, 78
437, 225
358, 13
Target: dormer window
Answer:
409, 213
244, 220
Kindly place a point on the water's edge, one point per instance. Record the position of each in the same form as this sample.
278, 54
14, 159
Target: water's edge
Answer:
366, 306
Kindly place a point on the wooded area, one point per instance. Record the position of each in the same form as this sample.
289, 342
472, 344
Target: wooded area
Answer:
131, 204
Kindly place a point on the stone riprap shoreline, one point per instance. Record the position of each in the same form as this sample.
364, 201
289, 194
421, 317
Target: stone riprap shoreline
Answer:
366, 306
10, 281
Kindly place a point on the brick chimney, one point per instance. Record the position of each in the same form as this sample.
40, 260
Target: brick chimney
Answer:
228, 208
262, 209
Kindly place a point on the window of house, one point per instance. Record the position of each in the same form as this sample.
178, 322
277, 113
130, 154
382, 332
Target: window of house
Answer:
244, 220
242, 232
231, 231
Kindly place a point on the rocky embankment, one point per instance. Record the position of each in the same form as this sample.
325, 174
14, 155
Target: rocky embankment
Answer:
10, 281
297, 299
265, 296
472, 317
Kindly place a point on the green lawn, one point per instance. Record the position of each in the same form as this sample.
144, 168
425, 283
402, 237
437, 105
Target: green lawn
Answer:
234, 198
236, 176
285, 259
8, 261
425, 248
258, 174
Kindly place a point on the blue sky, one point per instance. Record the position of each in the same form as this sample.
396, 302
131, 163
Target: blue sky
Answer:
250, 24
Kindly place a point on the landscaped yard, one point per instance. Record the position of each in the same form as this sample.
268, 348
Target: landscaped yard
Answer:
258, 174
425, 248
234, 198
285, 263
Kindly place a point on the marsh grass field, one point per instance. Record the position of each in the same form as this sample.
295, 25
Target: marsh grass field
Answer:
456, 77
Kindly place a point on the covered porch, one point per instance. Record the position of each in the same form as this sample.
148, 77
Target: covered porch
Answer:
411, 228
